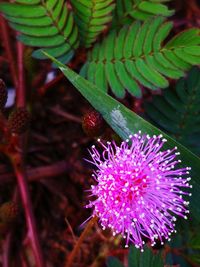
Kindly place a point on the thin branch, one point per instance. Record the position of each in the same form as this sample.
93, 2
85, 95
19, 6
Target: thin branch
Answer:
23, 260
7, 249
42, 90
66, 115
17, 161
38, 173
20, 92
27, 205
8, 241
8, 49
74, 252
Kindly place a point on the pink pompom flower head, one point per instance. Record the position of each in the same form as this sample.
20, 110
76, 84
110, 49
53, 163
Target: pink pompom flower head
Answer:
139, 189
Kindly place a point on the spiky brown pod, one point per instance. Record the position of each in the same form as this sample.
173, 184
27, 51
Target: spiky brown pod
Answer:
19, 120
8, 212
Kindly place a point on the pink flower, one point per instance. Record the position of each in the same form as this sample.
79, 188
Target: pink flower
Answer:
139, 189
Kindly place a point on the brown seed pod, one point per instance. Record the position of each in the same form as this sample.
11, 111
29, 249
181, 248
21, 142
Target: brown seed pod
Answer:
19, 120
3, 94
93, 123
8, 212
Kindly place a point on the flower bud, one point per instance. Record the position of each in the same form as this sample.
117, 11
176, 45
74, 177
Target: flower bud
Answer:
92, 123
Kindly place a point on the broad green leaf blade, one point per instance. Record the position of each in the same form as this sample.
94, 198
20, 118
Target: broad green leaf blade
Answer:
125, 122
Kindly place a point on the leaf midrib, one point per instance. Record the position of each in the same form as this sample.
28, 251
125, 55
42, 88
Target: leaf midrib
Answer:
134, 58
55, 23
127, 11
93, 9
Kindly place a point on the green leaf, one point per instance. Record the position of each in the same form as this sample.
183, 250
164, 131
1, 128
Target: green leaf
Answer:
46, 24
113, 262
135, 56
22, 11
155, 8
177, 112
195, 258
127, 11
125, 122
133, 257
194, 242
136, 258
188, 37
147, 259
92, 17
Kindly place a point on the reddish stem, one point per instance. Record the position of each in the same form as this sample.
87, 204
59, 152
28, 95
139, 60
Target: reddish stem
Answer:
7, 249
19, 168
42, 90
8, 49
26, 201
69, 260
23, 260
8, 241
20, 94
39, 173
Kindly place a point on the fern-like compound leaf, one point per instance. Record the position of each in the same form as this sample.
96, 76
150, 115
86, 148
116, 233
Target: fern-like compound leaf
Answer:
178, 111
135, 56
45, 24
92, 17
128, 10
